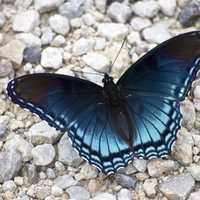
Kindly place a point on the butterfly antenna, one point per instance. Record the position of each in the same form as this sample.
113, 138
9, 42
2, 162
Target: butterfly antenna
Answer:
119, 51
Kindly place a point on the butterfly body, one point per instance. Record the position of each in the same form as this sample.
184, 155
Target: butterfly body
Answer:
138, 116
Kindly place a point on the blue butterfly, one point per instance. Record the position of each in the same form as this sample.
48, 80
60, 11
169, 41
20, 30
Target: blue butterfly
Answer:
139, 116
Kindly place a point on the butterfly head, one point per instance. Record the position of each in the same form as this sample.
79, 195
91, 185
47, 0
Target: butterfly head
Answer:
107, 79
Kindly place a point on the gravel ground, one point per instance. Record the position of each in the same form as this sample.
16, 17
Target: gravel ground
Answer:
38, 162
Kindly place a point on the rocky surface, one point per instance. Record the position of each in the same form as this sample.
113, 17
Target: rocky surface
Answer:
83, 38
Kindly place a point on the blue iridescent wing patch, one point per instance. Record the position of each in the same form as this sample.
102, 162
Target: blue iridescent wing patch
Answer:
154, 87
74, 105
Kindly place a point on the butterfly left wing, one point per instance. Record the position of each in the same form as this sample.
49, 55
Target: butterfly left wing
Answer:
153, 88
76, 106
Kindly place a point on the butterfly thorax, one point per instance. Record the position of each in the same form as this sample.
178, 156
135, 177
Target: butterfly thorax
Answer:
111, 91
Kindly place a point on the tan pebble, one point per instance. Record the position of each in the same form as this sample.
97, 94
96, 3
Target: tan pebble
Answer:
92, 186
8, 195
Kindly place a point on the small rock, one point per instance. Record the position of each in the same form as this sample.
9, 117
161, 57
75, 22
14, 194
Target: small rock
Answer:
59, 166
72, 8
41, 133
119, 12
4, 120
188, 113
43, 154
41, 192
88, 19
124, 194
82, 46
168, 7
183, 148
5, 67
13, 51
197, 92
112, 30
66, 153
150, 187
26, 21
65, 181
146, 8
47, 5
134, 38
51, 57
140, 164
56, 191
125, 180
19, 180
78, 193
76, 22
189, 13
194, 195
32, 54
194, 170
158, 167
59, 24
9, 186
97, 61
100, 43
65, 71
157, 33
177, 187
10, 164
21, 145
104, 196
47, 36
2, 20
50, 173
101, 5
88, 172
58, 41
139, 23
31, 173
29, 39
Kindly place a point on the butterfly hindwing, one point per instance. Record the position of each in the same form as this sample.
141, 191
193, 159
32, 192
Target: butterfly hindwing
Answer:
74, 105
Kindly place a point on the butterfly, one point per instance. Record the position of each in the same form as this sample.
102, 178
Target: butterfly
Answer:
138, 116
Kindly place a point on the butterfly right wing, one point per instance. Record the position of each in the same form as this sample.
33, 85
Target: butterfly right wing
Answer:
76, 106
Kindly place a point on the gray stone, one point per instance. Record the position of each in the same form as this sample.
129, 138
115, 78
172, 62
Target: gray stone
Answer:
21, 145
194, 195
66, 153
196, 92
104, 196
101, 5
30, 171
140, 164
10, 164
13, 51
82, 46
158, 167
183, 148
52, 57
194, 170
72, 8
41, 133
41, 192
32, 54
112, 30
50, 173
56, 191
125, 181
157, 33
88, 172
59, 24
4, 120
43, 154
88, 19
65, 181
146, 8
188, 113
58, 41
29, 39
177, 187
124, 194
168, 7
26, 21
9, 186
100, 43
47, 36
78, 193
139, 23
5, 67
2, 20
150, 187
97, 61
47, 5
119, 12
189, 13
